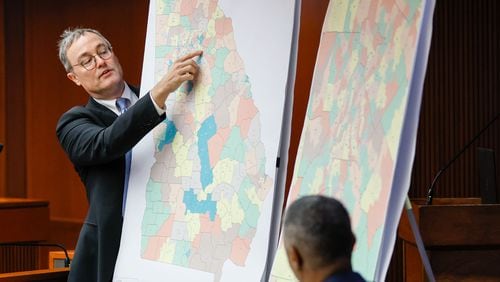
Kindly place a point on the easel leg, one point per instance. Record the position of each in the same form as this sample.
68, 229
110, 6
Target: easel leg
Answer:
418, 240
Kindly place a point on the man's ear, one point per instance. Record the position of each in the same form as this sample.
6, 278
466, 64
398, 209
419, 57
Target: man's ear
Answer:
295, 260
73, 78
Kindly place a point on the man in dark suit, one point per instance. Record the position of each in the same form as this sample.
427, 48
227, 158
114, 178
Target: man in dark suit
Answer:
98, 136
318, 240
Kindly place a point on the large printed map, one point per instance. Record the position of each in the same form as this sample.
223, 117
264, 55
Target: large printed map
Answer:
201, 185
208, 183
355, 115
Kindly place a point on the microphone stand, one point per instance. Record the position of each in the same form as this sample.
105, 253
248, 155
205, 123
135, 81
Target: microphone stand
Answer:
67, 260
430, 191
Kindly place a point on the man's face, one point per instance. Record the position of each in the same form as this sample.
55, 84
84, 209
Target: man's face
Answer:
105, 80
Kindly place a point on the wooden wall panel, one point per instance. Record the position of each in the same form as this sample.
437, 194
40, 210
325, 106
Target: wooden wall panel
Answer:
15, 144
49, 93
2, 100
460, 97
21, 258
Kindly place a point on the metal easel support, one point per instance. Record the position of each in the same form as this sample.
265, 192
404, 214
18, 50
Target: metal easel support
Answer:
418, 240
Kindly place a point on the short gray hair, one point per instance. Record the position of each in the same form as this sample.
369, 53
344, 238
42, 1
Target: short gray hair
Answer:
69, 36
320, 227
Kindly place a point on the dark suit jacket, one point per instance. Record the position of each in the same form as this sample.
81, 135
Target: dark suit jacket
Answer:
96, 141
349, 276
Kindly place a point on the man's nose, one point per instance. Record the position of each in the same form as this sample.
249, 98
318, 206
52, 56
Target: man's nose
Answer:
99, 61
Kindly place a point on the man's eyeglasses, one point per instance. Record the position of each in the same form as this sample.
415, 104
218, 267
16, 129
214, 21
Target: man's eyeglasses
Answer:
89, 62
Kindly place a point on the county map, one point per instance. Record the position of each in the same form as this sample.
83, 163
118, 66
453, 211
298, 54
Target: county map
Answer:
208, 183
351, 134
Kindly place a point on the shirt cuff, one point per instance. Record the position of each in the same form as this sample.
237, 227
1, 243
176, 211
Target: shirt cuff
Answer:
158, 108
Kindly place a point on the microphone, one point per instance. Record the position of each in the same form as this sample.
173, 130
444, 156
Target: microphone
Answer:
67, 260
430, 192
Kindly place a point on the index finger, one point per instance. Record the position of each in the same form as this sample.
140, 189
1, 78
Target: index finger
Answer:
191, 55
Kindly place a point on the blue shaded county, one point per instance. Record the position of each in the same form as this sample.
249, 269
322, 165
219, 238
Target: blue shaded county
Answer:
169, 135
200, 38
207, 130
362, 257
163, 50
220, 57
200, 207
219, 75
234, 148
156, 212
252, 211
185, 22
182, 253
168, 7
219, 78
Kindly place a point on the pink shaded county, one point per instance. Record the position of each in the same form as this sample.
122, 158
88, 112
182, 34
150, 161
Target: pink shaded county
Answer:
208, 226
375, 221
343, 172
388, 5
196, 241
187, 7
372, 13
223, 26
154, 247
294, 191
246, 112
166, 228
189, 119
324, 52
212, 5
239, 251
391, 89
216, 144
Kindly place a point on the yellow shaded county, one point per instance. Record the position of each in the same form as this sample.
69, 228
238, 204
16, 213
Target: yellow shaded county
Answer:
211, 28
224, 212
218, 13
174, 19
184, 165
353, 62
160, 7
328, 99
203, 106
401, 32
372, 192
202, 89
223, 171
237, 213
392, 137
253, 197
334, 166
167, 251
338, 11
317, 184
229, 212
201, 196
193, 225
381, 97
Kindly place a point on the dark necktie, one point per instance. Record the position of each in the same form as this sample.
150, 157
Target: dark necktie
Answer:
122, 104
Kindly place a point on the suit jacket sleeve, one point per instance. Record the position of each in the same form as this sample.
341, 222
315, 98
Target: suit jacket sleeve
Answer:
88, 140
